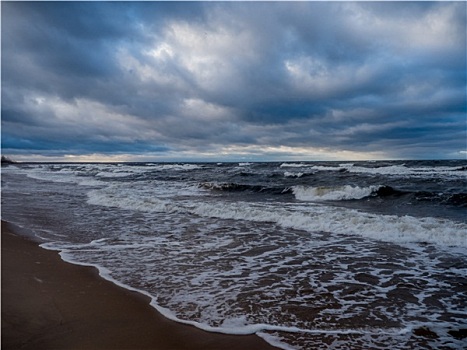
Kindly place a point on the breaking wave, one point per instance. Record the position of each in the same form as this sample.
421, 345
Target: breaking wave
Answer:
235, 187
347, 192
309, 217
391, 170
309, 193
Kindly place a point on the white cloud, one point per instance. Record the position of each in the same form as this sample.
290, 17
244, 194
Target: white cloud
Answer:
211, 53
81, 116
281, 152
148, 71
316, 77
162, 51
434, 30
203, 111
367, 128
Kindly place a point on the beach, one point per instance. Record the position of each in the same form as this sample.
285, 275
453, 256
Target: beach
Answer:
175, 256
51, 304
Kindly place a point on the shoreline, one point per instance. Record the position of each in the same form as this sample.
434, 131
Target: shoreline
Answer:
48, 303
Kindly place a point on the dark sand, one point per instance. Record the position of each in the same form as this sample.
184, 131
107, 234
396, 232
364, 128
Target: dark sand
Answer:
50, 304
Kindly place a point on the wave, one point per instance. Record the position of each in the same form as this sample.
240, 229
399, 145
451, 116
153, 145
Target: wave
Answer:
290, 174
309, 193
457, 199
235, 187
389, 228
176, 167
298, 174
341, 193
347, 192
454, 199
293, 165
306, 193
391, 170
114, 174
314, 168
230, 187
54, 174
308, 217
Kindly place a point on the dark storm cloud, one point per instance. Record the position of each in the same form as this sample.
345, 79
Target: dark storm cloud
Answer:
59, 38
372, 79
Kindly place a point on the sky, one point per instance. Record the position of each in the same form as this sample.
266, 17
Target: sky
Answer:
233, 81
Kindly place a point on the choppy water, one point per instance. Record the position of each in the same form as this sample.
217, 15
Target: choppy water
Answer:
307, 255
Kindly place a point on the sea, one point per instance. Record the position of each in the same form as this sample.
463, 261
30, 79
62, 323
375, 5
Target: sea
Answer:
307, 255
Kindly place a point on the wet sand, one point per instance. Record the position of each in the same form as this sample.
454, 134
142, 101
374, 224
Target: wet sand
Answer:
50, 304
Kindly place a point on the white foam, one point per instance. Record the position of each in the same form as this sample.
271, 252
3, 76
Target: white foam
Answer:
210, 299
293, 165
309, 217
290, 174
392, 170
309, 193
90, 174
311, 168
72, 174
404, 171
176, 167
85, 181
114, 174
275, 341
388, 228
236, 325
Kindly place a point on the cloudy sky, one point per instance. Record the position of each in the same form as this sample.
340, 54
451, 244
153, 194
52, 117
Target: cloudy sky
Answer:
166, 81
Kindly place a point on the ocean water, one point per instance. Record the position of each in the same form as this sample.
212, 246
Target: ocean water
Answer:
308, 255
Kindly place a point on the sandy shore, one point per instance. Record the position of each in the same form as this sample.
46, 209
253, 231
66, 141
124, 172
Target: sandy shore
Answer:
50, 304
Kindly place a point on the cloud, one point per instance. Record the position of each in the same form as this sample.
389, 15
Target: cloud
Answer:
263, 80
